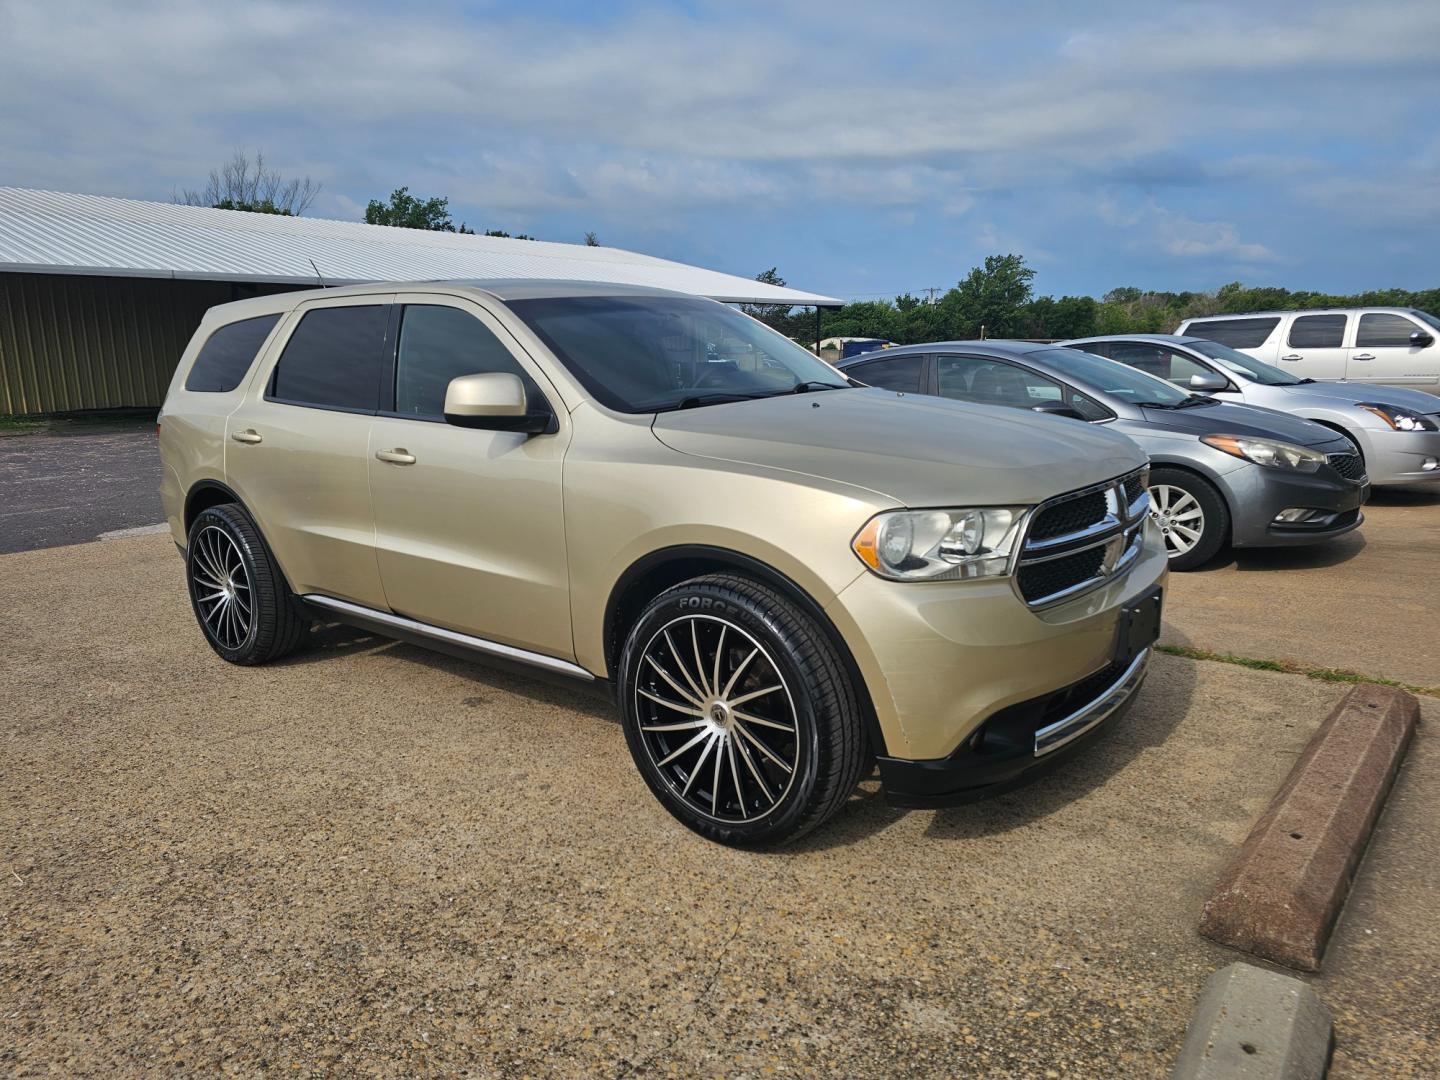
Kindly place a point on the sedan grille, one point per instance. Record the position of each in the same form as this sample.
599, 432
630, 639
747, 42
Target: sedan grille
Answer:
1350, 466
1078, 541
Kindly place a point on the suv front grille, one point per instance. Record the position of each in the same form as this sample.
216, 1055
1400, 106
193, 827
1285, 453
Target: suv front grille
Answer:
1350, 466
1078, 541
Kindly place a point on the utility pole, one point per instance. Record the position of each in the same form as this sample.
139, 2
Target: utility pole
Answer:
930, 294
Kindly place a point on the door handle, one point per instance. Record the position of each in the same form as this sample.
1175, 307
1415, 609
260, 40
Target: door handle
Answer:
1292, 357
1363, 356
249, 435
398, 456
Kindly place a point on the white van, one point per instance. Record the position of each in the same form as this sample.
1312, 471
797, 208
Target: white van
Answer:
1391, 346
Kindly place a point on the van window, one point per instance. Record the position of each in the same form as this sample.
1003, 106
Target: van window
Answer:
333, 359
1237, 333
227, 355
902, 373
438, 344
1317, 332
1379, 331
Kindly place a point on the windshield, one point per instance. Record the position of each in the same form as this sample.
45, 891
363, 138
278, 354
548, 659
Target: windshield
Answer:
1240, 364
1099, 375
640, 354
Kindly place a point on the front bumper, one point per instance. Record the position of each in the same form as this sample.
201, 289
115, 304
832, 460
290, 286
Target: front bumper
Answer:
1399, 457
939, 659
1017, 742
1257, 494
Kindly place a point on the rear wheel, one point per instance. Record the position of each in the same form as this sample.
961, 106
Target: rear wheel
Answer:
738, 711
241, 601
1191, 515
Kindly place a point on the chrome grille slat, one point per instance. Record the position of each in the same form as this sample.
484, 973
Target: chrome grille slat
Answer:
1102, 537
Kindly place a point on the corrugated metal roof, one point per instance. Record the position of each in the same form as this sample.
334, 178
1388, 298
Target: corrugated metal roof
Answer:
58, 232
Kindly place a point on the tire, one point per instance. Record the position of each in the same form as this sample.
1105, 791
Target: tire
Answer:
1176, 498
226, 561
735, 763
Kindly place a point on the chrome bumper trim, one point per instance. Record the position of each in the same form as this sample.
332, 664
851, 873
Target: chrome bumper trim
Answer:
1051, 738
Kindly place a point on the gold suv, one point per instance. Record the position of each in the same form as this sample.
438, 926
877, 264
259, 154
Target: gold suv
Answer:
784, 576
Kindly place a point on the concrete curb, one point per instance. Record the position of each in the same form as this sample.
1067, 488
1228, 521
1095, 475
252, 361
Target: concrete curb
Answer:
1280, 897
1253, 1024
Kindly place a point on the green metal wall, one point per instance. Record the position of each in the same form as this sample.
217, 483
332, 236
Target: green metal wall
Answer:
71, 342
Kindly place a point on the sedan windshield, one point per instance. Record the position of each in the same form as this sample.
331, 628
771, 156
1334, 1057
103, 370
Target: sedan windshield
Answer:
640, 354
1239, 364
1099, 375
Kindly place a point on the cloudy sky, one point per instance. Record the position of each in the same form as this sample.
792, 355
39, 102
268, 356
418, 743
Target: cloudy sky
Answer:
863, 148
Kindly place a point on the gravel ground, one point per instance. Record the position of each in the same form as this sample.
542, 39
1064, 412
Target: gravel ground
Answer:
76, 481
373, 859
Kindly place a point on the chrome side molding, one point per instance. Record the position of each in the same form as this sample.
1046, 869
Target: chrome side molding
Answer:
344, 608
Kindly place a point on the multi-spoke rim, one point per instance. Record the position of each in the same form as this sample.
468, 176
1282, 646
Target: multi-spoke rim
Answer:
717, 718
1180, 516
222, 587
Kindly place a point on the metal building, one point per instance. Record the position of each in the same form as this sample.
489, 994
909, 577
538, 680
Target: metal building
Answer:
98, 296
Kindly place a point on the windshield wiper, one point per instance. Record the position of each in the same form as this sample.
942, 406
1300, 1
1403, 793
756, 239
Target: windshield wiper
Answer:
1192, 402
812, 385
1152, 405
695, 401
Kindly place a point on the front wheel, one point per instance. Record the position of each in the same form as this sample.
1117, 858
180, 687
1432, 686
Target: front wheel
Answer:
738, 711
1191, 515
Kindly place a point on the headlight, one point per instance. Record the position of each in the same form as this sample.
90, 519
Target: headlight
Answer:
1268, 452
940, 545
1399, 417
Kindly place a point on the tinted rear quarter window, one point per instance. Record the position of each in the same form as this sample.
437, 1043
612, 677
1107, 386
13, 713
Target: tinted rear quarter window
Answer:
1317, 332
1237, 333
1380, 331
227, 355
902, 373
333, 359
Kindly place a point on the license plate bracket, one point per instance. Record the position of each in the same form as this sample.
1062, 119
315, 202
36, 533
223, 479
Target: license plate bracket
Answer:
1139, 625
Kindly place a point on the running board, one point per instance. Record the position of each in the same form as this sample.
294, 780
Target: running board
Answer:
385, 620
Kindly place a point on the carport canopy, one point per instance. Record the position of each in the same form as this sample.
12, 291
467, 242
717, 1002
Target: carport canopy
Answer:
50, 232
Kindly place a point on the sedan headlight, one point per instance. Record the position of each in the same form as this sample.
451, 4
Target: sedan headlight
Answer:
940, 545
1271, 453
1399, 417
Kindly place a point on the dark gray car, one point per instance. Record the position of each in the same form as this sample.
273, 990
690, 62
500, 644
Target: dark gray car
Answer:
1220, 473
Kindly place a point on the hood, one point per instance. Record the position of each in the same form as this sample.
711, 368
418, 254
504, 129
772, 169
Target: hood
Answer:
919, 451
1251, 420
1350, 393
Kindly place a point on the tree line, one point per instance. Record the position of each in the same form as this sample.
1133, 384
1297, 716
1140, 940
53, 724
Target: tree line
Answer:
997, 300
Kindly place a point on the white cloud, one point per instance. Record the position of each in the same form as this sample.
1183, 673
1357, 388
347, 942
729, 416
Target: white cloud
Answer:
1152, 225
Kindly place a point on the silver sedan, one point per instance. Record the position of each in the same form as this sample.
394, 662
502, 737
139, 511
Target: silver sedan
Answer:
1397, 430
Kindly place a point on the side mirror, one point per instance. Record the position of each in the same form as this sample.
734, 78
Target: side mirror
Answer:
1058, 408
1208, 382
496, 401
1419, 338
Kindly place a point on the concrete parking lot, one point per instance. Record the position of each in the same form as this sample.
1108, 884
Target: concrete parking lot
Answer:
372, 858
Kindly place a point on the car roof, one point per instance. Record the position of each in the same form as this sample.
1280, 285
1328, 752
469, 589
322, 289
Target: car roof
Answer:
501, 289
1391, 310
993, 346
1152, 339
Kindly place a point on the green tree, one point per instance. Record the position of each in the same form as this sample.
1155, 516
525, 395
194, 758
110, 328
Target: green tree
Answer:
591, 240
776, 316
990, 299
405, 211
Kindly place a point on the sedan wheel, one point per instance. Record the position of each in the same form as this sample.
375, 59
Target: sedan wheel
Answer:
1180, 517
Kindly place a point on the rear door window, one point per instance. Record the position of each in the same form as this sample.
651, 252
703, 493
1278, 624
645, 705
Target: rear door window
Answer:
992, 382
903, 373
1380, 331
1317, 332
227, 355
1237, 333
333, 359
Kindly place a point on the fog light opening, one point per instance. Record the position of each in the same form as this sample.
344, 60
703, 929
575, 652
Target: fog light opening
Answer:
1293, 515
1430, 464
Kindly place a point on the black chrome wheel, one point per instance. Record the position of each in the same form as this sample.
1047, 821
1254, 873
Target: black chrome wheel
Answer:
716, 718
223, 595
